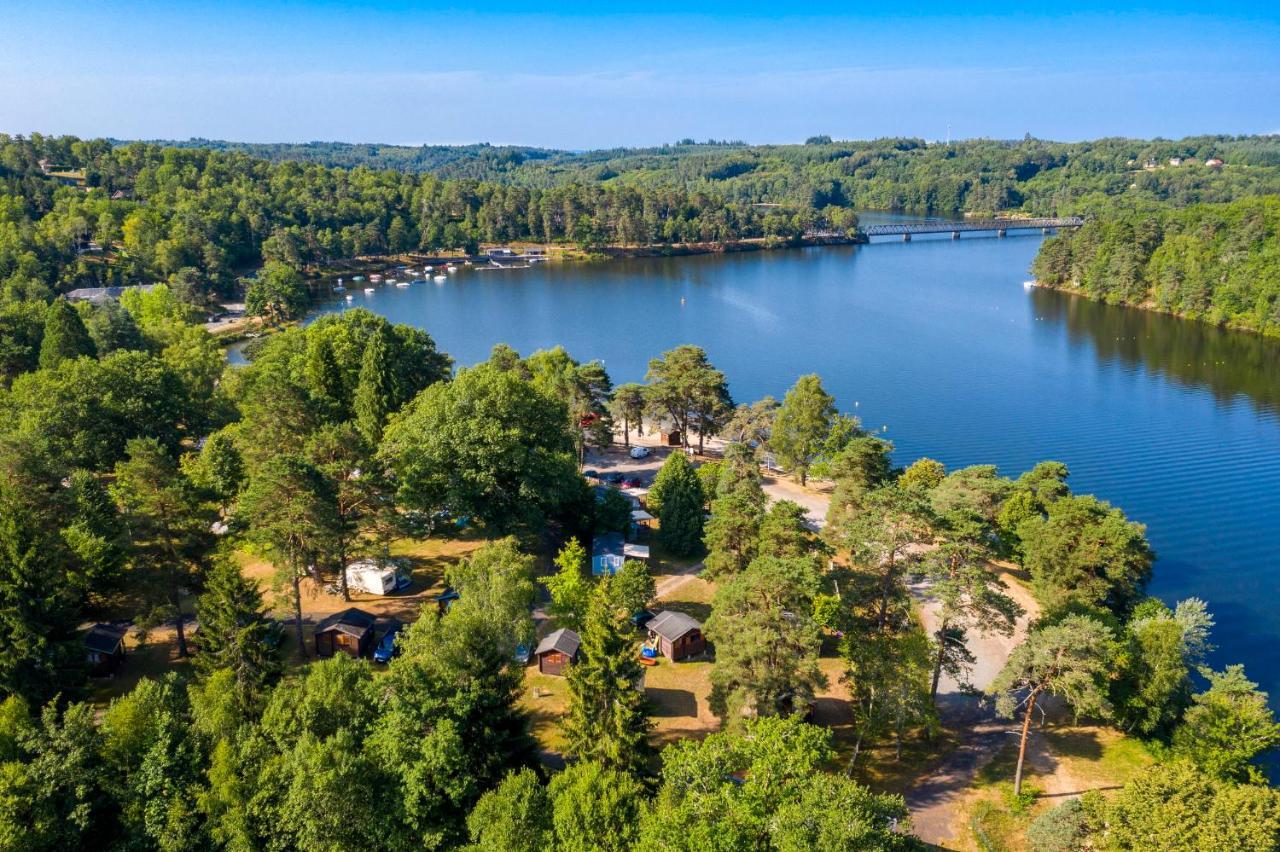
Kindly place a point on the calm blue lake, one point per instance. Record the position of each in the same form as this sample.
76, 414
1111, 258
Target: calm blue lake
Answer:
937, 343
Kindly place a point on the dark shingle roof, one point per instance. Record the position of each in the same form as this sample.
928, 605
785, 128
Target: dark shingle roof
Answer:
353, 622
671, 625
104, 638
563, 640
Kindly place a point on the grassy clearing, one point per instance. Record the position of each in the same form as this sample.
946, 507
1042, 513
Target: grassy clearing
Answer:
428, 559
1068, 760
546, 699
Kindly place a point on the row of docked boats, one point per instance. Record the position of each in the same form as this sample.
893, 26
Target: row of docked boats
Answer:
441, 274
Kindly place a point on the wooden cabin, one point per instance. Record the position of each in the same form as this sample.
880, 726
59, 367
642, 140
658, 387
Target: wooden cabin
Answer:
671, 438
350, 631
676, 635
104, 649
557, 651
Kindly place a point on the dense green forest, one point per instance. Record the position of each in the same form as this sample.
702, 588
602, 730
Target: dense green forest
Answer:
197, 218
1216, 262
79, 213
136, 468
979, 175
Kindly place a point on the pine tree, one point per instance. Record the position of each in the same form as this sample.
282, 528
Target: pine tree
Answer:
681, 512
607, 721
324, 378
802, 422
732, 534
65, 337
40, 655
377, 394
235, 633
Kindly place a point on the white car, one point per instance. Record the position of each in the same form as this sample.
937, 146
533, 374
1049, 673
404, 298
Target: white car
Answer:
640, 452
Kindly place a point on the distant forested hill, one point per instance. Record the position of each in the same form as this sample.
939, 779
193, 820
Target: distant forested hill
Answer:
979, 175
82, 213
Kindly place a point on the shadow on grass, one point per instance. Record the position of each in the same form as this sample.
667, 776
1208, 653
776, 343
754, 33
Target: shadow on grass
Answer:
696, 609
672, 702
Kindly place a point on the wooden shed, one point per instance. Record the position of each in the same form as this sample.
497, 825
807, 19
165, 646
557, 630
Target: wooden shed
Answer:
676, 635
671, 438
557, 651
350, 631
104, 649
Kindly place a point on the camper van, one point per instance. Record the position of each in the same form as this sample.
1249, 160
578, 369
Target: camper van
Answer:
370, 577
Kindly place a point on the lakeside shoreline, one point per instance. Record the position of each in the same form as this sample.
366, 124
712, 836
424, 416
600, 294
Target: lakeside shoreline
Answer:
1151, 307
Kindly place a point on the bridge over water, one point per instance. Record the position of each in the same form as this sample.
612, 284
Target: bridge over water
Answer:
1000, 226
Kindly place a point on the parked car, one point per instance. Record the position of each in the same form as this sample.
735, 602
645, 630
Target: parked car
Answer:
387, 648
630, 482
613, 478
640, 452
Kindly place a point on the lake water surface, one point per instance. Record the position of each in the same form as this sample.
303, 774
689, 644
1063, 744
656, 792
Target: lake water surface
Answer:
938, 342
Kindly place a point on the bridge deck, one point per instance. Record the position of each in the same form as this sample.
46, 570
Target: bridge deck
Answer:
941, 227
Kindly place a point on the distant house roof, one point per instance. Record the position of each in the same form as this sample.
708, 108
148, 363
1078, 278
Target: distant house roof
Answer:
563, 640
640, 516
353, 622
104, 638
102, 294
671, 625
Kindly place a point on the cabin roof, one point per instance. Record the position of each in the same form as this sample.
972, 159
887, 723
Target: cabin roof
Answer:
563, 640
671, 625
353, 622
104, 638
608, 544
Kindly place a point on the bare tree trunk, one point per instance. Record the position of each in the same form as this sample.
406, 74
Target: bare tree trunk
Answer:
857, 746
182, 635
342, 570
937, 665
883, 618
297, 614
626, 433
1022, 745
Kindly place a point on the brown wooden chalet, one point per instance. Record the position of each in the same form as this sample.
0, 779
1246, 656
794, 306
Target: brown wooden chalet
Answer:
557, 651
350, 631
676, 635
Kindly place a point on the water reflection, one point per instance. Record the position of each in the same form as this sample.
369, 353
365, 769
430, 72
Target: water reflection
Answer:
1198, 355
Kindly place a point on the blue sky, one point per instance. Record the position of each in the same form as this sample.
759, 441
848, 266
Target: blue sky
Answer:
582, 76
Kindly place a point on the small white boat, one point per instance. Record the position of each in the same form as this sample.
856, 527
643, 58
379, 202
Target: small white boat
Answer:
350, 297
440, 278
1027, 285
451, 268
426, 269
368, 290
357, 278
401, 283
375, 278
